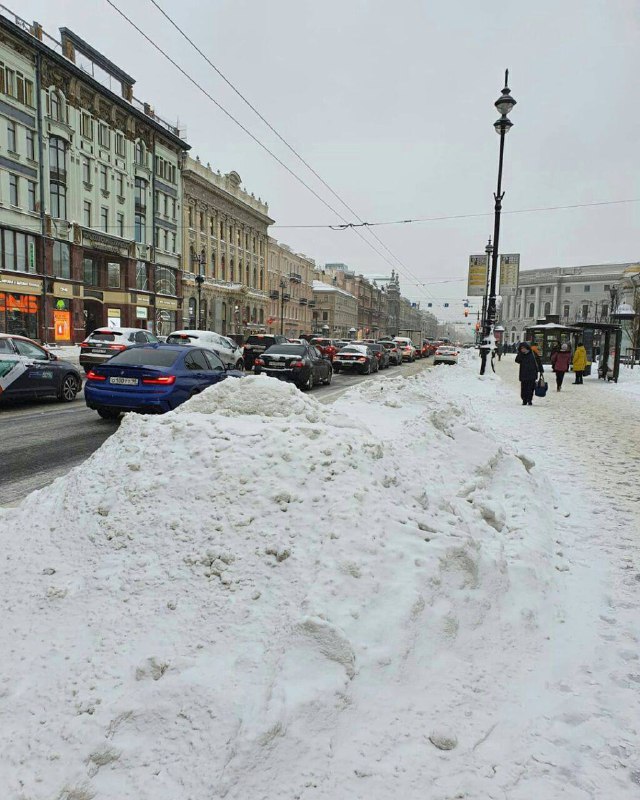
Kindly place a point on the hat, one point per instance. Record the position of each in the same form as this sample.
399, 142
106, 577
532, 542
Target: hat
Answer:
564, 347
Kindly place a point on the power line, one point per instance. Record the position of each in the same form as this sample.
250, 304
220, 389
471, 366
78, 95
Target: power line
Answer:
286, 143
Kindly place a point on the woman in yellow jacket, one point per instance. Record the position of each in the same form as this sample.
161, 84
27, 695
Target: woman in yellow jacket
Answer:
579, 362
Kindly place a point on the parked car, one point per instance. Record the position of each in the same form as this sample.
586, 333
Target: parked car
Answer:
326, 346
340, 343
303, 364
229, 352
407, 348
257, 343
381, 353
356, 357
152, 379
446, 354
103, 343
27, 370
395, 354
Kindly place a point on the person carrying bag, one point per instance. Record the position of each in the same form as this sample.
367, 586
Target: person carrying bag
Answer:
560, 360
530, 368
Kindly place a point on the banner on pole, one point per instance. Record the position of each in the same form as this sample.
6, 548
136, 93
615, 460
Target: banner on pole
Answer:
477, 284
509, 274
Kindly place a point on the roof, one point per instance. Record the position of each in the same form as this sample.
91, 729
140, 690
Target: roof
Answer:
319, 286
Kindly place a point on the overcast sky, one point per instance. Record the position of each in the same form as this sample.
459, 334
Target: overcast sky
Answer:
392, 103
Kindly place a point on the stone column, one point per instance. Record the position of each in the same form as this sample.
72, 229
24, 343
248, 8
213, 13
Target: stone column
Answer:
556, 293
536, 308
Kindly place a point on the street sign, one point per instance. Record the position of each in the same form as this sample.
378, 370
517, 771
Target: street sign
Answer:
509, 274
477, 284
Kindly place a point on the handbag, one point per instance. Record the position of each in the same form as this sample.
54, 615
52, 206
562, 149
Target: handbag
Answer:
541, 387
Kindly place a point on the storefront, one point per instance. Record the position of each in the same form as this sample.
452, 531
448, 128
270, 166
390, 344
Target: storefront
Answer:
167, 315
20, 305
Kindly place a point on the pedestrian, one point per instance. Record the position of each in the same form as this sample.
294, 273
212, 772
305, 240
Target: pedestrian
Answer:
579, 362
560, 360
530, 368
499, 351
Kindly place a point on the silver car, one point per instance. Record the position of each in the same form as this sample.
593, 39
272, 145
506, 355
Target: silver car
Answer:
103, 343
226, 349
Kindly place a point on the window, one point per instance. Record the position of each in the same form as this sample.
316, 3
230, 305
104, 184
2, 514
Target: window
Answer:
531, 309
120, 145
547, 290
173, 208
86, 125
139, 153
57, 159
104, 135
104, 219
166, 241
140, 228
173, 243
142, 279
325, 316
113, 276
104, 178
547, 308
567, 289
87, 214
10, 82
90, 272
211, 227
31, 145
30, 350
61, 260
56, 106
13, 190
607, 287
28, 92
58, 194
201, 221
141, 194
214, 362
604, 311
166, 205
165, 280
31, 195
195, 360
222, 230
120, 224
120, 184
156, 236
587, 288
11, 136
190, 216
18, 251
86, 170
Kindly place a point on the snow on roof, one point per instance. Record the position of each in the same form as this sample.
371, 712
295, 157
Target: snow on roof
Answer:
319, 286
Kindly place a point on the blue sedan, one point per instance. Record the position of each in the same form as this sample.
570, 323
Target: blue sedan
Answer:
152, 379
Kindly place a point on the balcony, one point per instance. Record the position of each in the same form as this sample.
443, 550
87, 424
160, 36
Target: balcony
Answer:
274, 295
303, 301
295, 277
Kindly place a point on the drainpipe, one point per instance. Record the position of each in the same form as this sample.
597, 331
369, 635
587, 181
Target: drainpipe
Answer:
40, 132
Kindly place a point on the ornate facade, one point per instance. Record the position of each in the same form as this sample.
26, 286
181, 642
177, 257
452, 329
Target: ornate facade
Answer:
291, 299
226, 248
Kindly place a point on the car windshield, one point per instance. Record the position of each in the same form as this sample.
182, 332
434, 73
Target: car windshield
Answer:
352, 349
287, 349
180, 338
321, 342
105, 336
265, 341
376, 347
145, 357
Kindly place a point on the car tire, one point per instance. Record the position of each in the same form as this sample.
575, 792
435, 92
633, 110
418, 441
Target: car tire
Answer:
336, 369
69, 388
328, 379
239, 365
309, 384
108, 413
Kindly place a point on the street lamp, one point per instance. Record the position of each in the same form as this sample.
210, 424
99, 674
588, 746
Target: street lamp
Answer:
504, 104
200, 261
284, 298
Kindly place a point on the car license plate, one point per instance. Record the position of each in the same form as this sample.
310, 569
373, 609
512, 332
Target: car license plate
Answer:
124, 381
344, 361
99, 350
275, 366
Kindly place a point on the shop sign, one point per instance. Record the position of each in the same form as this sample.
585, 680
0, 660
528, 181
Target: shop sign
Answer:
142, 312
509, 274
20, 285
62, 325
141, 299
62, 289
113, 318
104, 242
61, 305
477, 284
169, 303
32, 255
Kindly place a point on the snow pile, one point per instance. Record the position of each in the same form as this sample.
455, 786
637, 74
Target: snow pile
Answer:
258, 596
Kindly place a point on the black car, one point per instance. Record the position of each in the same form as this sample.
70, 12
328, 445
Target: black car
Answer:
381, 353
29, 371
357, 357
257, 343
103, 343
301, 363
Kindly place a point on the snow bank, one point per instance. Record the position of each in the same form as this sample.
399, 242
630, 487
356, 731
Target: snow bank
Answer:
258, 596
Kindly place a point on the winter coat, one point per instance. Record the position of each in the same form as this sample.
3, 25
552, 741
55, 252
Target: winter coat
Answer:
560, 360
580, 359
530, 366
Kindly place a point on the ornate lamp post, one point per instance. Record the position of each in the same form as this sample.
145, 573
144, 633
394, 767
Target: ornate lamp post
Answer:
504, 104
200, 261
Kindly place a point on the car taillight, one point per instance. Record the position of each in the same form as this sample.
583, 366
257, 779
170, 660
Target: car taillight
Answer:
118, 347
84, 344
259, 362
162, 380
378, 356
94, 376
297, 364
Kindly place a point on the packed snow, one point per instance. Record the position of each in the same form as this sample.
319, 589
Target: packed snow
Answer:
258, 596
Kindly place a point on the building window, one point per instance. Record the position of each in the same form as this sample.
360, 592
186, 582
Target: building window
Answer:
141, 194
325, 316
120, 224
211, 227
142, 278
87, 214
140, 228
547, 308
113, 276
90, 272
104, 178
18, 251
31, 145
567, 289
31, 194
57, 159
173, 243
86, 125
104, 135
61, 260
139, 154
201, 221
221, 231
58, 196
120, 145
104, 219
13, 190
173, 208
604, 313
607, 287
11, 136
585, 311
86, 171
24, 89
587, 288
166, 281
547, 290
531, 309
166, 241
120, 184
190, 216
55, 106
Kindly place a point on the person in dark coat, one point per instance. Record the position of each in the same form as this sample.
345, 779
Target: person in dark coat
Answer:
530, 368
560, 360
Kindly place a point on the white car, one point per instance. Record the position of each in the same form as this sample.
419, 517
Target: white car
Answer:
446, 355
407, 348
227, 350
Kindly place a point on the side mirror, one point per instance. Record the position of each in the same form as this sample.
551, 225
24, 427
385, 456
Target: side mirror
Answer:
52, 356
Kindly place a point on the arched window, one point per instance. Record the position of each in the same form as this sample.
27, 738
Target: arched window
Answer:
192, 312
547, 309
222, 231
248, 273
56, 106
262, 279
222, 269
139, 153
531, 309
247, 314
255, 278
231, 271
213, 264
254, 315
565, 310
262, 316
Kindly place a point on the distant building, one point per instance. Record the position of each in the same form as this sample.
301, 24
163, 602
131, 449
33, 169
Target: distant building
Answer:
336, 311
291, 301
89, 193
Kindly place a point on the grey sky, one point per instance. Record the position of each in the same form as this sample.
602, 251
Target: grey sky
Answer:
393, 105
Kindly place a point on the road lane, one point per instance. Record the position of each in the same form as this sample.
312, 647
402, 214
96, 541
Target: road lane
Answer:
43, 440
